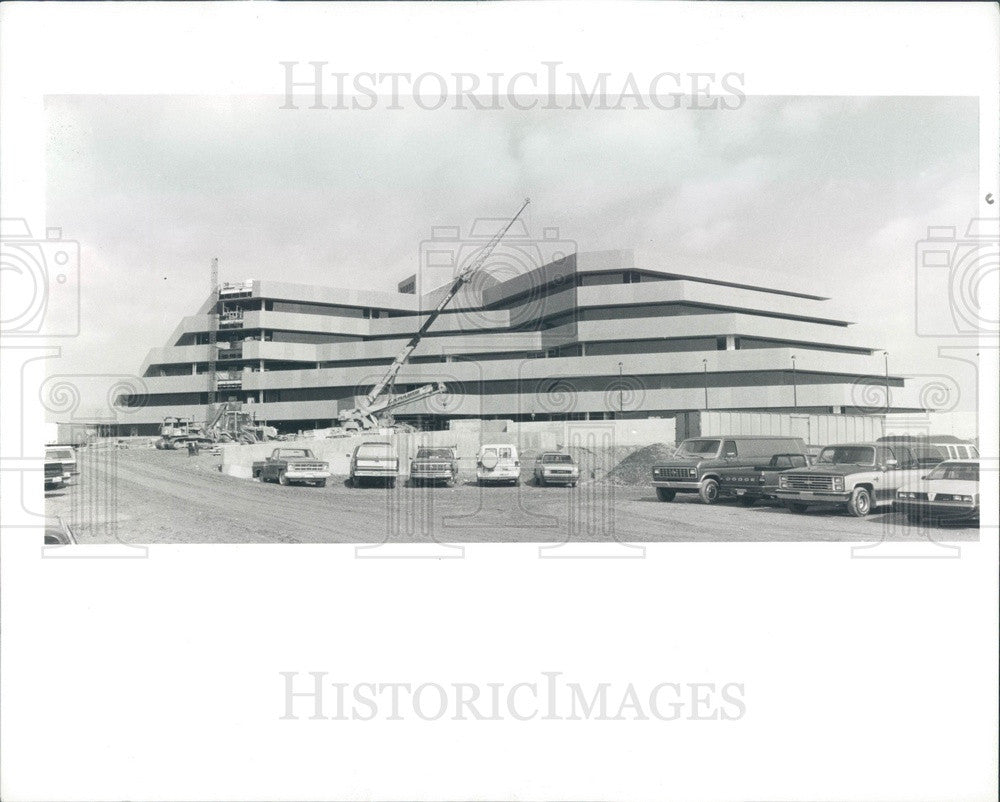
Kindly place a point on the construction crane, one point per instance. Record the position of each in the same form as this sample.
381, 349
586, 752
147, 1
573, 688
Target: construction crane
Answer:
366, 415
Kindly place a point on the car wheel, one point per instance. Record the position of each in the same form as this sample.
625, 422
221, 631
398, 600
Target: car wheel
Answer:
914, 517
709, 491
747, 501
572, 484
480, 482
797, 506
391, 483
516, 482
321, 483
663, 494
539, 481
282, 479
861, 502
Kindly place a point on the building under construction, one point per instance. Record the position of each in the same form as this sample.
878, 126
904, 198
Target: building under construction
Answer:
586, 336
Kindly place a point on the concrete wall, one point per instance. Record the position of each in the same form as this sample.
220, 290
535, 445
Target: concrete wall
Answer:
817, 430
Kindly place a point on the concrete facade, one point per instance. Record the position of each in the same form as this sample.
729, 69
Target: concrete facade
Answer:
586, 337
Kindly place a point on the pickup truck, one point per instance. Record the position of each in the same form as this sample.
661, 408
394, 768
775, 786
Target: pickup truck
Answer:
374, 460
287, 465
858, 477
757, 482
434, 464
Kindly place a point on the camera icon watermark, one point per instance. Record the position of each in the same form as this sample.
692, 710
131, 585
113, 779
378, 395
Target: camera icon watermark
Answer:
39, 282
956, 276
517, 259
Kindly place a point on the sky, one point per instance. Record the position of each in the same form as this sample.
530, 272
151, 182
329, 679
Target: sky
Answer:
825, 195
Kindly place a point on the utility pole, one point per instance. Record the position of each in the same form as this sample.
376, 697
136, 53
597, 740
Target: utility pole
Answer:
795, 385
704, 363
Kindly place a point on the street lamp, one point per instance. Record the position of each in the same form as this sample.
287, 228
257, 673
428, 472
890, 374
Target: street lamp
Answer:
621, 391
885, 354
704, 363
795, 385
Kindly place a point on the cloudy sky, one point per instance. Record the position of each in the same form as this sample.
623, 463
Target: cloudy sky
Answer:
828, 195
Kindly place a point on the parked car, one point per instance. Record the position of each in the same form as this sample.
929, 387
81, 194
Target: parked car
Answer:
287, 465
498, 462
949, 493
66, 456
696, 466
435, 464
374, 460
932, 449
758, 482
53, 474
859, 477
556, 468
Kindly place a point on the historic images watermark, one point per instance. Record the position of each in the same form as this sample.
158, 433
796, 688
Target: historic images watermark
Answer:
546, 88
314, 695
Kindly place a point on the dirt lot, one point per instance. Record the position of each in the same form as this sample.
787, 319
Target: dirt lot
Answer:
148, 496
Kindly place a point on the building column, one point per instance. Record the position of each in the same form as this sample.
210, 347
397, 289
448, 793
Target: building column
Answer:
730, 342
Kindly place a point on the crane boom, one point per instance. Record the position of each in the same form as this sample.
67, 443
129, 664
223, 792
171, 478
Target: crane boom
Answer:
363, 415
461, 279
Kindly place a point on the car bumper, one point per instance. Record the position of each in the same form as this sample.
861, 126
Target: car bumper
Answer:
498, 476
954, 510
813, 496
431, 476
741, 492
560, 478
306, 476
385, 473
692, 485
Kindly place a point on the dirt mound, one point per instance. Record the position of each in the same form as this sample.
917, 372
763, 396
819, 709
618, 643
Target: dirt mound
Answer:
636, 468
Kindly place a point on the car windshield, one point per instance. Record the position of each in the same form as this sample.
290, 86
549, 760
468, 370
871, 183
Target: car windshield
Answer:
699, 448
433, 453
294, 452
847, 455
556, 458
966, 471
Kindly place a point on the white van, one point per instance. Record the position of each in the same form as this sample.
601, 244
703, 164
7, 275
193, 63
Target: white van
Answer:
498, 462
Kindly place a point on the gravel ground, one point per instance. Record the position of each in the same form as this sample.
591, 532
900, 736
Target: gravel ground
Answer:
143, 496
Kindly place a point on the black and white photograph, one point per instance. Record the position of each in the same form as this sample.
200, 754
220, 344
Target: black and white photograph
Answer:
414, 385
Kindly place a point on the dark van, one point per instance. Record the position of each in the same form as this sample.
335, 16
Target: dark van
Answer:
695, 466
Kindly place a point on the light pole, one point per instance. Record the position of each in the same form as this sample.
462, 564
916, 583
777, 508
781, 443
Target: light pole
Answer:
704, 363
621, 392
886, 355
795, 385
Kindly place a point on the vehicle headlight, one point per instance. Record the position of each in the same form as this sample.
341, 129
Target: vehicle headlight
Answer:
692, 472
838, 482
904, 494
782, 481
965, 498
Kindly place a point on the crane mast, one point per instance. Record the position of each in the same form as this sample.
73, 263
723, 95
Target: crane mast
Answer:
363, 415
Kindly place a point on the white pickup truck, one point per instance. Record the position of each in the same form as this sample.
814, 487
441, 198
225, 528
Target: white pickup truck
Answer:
859, 477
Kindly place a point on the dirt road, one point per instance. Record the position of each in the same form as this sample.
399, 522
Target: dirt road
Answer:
146, 496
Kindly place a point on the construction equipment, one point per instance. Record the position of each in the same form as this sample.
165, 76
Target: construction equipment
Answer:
176, 432
365, 416
233, 424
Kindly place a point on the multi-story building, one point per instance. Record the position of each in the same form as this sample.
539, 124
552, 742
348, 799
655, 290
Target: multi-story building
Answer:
587, 336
